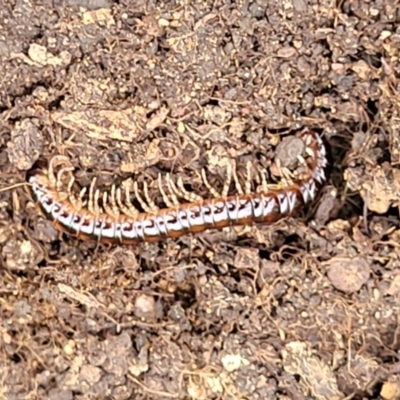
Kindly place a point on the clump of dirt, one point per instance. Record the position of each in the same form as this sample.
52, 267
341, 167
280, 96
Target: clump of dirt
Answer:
306, 307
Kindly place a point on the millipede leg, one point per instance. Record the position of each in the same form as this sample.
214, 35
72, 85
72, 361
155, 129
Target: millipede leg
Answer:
127, 208
305, 170
165, 198
54, 163
75, 201
301, 160
97, 210
109, 203
308, 139
57, 181
228, 180
81, 194
140, 199
114, 205
91, 196
173, 196
120, 203
248, 178
310, 152
180, 191
286, 175
150, 202
238, 186
263, 188
211, 189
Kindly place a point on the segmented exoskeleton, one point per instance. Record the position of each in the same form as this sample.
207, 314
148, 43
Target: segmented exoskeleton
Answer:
118, 221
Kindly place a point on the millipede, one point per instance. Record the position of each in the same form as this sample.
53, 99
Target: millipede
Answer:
112, 217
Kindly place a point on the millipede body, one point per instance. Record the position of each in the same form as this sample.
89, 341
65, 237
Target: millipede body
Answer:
118, 221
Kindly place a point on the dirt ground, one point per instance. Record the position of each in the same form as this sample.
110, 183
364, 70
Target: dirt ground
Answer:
305, 309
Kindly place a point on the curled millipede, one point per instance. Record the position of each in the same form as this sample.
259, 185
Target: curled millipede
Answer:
117, 220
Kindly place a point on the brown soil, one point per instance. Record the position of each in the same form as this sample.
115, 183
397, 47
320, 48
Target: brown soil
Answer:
307, 308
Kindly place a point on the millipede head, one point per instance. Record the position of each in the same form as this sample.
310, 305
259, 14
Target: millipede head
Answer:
39, 166
37, 181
